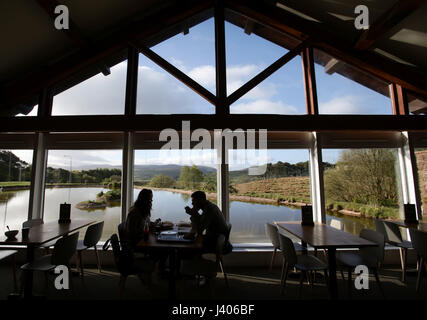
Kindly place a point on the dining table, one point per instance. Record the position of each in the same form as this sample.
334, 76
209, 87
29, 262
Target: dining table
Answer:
322, 236
420, 226
39, 235
174, 249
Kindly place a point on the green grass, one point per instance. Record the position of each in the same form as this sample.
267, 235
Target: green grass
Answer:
366, 210
14, 183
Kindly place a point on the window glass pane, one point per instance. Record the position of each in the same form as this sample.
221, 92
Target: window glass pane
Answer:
90, 180
417, 105
360, 185
343, 89
193, 53
276, 193
421, 158
98, 95
15, 179
32, 111
173, 175
248, 55
161, 93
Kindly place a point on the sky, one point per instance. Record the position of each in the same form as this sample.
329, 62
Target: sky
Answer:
194, 54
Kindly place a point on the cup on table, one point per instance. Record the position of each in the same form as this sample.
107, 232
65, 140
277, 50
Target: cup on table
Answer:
25, 233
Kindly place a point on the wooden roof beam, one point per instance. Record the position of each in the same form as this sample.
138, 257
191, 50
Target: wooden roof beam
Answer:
341, 49
391, 18
93, 53
196, 87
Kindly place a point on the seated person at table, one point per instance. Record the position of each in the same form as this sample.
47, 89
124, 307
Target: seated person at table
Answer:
139, 215
212, 220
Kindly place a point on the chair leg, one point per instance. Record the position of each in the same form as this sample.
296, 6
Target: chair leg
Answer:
420, 274
15, 283
377, 278
327, 281
46, 282
342, 274
284, 278
221, 263
402, 263
122, 284
349, 283
272, 259
81, 263
301, 279
97, 259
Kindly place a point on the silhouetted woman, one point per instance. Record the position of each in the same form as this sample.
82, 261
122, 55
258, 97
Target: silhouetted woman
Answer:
138, 216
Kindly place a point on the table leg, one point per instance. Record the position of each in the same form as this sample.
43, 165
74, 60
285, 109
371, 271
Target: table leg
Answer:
172, 274
332, 273
28, 286
304, 245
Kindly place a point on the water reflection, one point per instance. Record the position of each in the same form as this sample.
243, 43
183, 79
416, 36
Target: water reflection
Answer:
248, 219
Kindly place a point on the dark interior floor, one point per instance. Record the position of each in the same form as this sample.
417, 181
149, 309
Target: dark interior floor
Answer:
244, 284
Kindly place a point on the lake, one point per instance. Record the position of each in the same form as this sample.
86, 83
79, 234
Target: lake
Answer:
248, 219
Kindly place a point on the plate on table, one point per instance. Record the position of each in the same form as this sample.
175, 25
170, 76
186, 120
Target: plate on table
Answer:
166, 225
168, 233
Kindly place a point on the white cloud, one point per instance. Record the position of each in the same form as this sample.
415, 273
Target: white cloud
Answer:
343, 105
264, 106
205, 75
97, 95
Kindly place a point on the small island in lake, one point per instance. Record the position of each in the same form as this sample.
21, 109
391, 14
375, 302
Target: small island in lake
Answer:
103, 200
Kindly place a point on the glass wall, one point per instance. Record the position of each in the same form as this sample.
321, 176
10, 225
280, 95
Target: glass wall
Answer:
344, 89
99, 95
275, 191
361, 185
173, 175
421, 160
90, 180
15, 179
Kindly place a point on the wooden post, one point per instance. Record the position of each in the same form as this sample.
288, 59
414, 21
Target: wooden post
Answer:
222, 107
309, 81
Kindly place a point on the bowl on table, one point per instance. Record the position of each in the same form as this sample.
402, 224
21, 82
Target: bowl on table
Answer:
11, 234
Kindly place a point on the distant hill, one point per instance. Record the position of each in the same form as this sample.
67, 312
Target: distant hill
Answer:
146, 172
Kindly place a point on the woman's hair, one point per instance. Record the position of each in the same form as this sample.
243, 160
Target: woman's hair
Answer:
143, 203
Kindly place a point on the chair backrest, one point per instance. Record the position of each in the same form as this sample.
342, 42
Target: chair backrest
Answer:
390, 231
288, 250
373, 254
64, 249
32, 223
219, 246
419, 242
93, 234
227, 236
121, 230
273, 234
337, 224
122, 260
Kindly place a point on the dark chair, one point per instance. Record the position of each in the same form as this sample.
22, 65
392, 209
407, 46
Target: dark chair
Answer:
205, 265
35, 222
63, 251
127, 265
227, 248
368, 256
391, 232
419, 241
92, 236
304, 262
4, 254
273, 234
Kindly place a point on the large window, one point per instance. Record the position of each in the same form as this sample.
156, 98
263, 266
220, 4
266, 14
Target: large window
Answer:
361, 185
90, 180
15, 179
248, 55
274, 190
344, 89
421, 160
173, 175
103, 93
